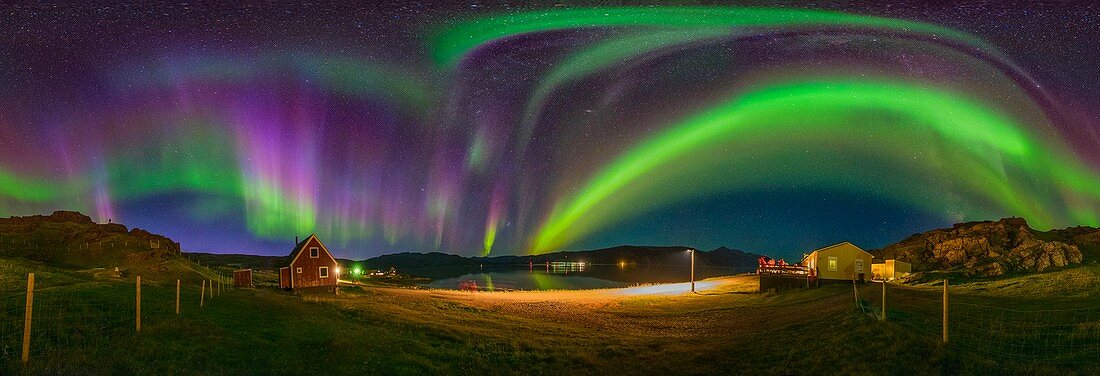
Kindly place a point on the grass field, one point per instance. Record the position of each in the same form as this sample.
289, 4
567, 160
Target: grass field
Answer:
726, 328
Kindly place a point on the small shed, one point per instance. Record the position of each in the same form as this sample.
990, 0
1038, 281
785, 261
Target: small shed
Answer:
839, 262
242, 278
891, 270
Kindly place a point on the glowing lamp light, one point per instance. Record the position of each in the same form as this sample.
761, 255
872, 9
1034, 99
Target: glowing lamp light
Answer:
337, 270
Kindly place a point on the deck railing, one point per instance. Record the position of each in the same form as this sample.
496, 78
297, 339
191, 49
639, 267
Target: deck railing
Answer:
785, 269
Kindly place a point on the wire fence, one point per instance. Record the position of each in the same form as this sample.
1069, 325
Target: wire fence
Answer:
36, 242
1017, 330
67, 318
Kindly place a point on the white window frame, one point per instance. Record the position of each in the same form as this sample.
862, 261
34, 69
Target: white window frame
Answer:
299, 270
832, 263
314, 252
322, 271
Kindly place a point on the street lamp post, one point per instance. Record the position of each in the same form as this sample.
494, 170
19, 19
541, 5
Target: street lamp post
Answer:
692, 270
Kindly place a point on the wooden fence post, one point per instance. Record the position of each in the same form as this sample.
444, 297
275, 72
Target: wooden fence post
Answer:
945, 311
138, 316
855, 292
883, 318
27, 318
202, 296
177, 297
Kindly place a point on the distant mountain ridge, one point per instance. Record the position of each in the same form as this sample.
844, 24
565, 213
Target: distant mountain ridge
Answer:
238, 260
629, 254
983, 249
722, 257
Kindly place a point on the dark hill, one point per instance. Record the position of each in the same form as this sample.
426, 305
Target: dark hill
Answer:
72, 240
635, 255
408, 260
241, 261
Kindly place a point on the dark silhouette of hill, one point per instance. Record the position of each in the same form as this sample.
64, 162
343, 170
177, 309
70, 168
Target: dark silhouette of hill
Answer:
70, 239
628, 254
438, 265
243, 261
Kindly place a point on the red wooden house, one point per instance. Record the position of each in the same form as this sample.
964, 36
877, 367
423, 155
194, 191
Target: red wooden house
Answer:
311, 265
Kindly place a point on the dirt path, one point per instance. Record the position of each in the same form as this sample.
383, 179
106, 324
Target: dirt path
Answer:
720, 306
741, 284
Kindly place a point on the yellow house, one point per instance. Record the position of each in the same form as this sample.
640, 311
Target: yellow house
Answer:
890, 270
843, 261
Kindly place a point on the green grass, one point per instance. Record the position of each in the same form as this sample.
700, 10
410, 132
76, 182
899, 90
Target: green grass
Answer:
13, 275
403, 332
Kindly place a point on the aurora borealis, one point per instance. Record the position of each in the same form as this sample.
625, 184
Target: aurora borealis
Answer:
479, 130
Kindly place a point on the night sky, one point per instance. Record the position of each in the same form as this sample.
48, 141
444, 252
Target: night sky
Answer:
481, 129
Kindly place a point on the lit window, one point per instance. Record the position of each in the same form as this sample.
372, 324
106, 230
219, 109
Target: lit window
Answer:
832, 263
313, 252
324, 272
299, 270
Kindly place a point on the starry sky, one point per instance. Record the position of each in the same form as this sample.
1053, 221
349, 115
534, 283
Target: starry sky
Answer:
493, 129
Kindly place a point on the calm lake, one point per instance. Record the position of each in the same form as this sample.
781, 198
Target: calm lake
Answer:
567, 277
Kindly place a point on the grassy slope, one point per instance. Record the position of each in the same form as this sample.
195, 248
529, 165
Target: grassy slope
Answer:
389, 331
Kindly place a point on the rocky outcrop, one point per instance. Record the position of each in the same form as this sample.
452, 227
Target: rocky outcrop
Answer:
72, 238
989, 248
69, 216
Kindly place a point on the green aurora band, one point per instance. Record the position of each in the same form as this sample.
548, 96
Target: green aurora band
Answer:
25, 189
987, 145
1001, 165
600, 57
653, 29
451, 44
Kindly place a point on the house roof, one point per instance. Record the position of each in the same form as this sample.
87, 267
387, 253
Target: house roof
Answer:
298, 248
840, 244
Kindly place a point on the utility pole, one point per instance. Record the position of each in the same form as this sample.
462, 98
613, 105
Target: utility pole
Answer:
692, 270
